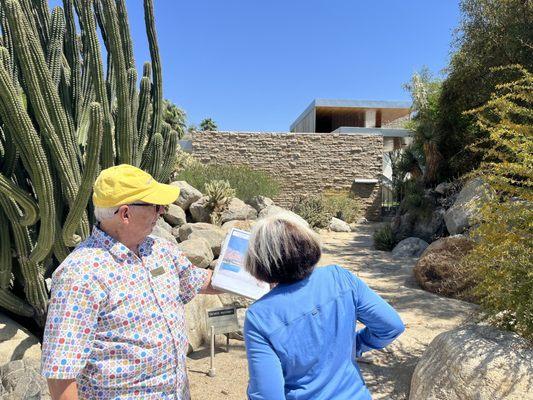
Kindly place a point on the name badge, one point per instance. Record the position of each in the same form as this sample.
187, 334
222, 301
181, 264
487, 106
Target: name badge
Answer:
157, 272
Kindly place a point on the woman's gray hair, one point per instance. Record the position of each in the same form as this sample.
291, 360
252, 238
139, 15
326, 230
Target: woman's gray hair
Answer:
101, 213
282, 249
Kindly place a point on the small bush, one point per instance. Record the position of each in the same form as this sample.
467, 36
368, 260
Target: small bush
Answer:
314, 210
184, 161
246, 182
343, 206
384, 239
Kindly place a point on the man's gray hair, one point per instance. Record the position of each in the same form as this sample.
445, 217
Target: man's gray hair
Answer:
101, 213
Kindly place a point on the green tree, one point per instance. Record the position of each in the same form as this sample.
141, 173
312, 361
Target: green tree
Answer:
502, 259
492, 33
425, 92
208, 125
175, 117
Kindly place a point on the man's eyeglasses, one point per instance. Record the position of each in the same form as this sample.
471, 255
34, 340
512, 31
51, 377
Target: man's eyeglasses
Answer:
158, 208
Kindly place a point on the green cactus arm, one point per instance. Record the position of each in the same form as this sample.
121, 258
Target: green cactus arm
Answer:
170, 157
55, 46
72, 54
89, 175
34, 286
143, 116
134, 103
14, 304
157, 87
42, 20
124, 122
154, 167
24, 200
6, 255
127, 44
34, 159
8, 43
11, 155
44, 99
95, 66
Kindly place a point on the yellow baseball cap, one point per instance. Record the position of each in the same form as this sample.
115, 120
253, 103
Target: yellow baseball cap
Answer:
126, 184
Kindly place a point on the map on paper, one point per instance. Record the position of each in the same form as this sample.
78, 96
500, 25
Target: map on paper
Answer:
230, 275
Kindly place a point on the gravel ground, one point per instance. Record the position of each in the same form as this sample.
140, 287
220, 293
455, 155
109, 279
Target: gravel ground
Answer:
387, 372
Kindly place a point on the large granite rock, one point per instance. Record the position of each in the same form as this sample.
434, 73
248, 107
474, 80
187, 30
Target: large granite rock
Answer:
185, 230
195, 315
188, 194
437, 269
273, 210
17, 343
465, 211
163, 230
260, 203
430, 228
175, 216
245, 225
214, 237
200, 210
427, 228
443, 188
410, 247
198, 251
474, 363
237, 210
338, 225
21, 380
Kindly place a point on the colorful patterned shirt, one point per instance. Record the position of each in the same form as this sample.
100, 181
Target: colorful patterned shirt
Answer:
116, 321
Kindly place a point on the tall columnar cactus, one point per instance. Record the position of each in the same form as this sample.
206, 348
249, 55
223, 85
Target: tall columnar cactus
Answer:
63, 118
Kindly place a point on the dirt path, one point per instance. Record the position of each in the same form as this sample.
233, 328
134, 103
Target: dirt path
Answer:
388, 372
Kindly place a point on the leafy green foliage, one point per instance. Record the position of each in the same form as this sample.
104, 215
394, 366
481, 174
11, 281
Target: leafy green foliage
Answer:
384, 238
492, 33
246, 181
208, 125
175, 117
343, 205
502, 259
425, 92
314, 210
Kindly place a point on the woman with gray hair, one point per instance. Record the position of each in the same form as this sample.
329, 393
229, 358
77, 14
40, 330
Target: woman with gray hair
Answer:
301, 338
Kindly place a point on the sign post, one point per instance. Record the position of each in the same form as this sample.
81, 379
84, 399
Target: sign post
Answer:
222, 320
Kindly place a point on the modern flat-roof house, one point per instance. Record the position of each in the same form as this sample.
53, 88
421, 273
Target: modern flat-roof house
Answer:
360, 117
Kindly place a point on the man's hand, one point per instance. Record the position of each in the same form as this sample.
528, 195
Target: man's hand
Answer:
207, 288
63, 389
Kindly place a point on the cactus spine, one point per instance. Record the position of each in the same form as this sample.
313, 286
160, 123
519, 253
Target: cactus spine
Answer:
62, 119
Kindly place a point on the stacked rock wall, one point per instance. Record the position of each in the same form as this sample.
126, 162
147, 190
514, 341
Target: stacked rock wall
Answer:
305, 163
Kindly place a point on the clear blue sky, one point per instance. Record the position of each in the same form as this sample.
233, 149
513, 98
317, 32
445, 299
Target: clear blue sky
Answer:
255, 65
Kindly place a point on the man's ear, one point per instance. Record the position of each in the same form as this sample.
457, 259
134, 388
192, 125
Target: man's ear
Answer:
123, 213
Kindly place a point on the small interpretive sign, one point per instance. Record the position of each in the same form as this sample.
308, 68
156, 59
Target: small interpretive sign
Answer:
222, 319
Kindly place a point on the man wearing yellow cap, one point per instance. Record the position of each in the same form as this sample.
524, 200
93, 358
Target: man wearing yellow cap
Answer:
116, 320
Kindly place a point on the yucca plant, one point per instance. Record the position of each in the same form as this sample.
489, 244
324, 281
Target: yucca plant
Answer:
63, 118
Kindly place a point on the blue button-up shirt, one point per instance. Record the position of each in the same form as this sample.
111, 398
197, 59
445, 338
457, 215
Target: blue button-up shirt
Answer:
301, 338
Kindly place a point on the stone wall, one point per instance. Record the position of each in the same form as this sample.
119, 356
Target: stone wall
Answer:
305, 163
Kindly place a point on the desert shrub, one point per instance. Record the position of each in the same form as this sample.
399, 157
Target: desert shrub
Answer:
502, 259
414, 199
219, 194
314, 210
384, 238
184, 161
343, 205
246, 181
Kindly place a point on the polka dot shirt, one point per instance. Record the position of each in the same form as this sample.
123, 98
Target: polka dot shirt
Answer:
116, 321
